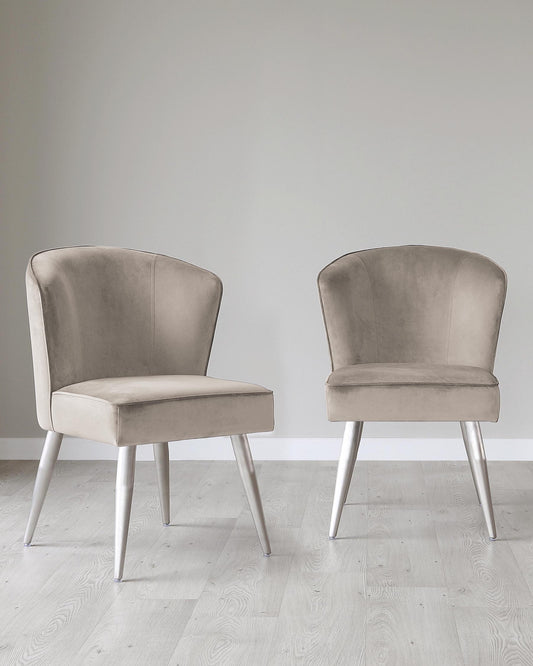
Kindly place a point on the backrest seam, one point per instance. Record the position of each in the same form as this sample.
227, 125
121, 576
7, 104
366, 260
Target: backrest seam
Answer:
452, 306
373, 307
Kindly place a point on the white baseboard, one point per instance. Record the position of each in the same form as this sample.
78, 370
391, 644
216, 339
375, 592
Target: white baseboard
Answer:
277, 448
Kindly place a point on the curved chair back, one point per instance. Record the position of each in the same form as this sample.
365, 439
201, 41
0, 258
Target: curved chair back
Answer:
412, 304
109, 312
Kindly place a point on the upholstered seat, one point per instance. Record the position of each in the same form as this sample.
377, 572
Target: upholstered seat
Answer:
412, 392
161, 408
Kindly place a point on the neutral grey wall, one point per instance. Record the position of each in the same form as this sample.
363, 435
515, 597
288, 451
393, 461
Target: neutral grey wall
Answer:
261, 140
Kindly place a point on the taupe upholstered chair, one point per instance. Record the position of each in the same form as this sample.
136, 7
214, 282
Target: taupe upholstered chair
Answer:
412, 335
121, 341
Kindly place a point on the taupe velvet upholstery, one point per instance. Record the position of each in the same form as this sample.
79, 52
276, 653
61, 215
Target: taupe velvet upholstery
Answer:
412, 392
412, 333
121, 341
159, 408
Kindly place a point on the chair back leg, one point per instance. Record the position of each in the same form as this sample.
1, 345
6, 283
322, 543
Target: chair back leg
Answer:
123, 497
245, 463
348, 456
52, 444
478, 463
163, 479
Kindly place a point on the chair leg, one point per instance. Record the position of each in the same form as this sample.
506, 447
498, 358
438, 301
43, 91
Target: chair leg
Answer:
348, 456
162, 466
470, 459
52, 444
124, 494
478, 461
246, 467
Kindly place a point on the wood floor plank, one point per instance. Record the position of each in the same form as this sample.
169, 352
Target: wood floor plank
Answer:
402, 548
68, 489
284, 491
224, 641
515, 526
321, 477
69, 586
414, 627
218, 492
505, 476
496, 637
15, 474
61, 614
245, 583
322, 617
321, 621
180, 562
136, 631
58, 538
314, 551
184, 476
449, 483
396, 483
478, 572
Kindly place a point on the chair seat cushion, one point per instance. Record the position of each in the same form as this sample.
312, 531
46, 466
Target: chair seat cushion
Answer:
412, 392
160, 408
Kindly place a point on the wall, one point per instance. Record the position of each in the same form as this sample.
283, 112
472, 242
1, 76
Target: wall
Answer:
261, 140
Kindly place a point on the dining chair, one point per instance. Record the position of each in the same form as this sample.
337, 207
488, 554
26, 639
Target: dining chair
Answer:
120, 342
412, 333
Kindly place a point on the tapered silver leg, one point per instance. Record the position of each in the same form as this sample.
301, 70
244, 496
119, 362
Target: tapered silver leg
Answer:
478, 462
350, 446
469, 454
246, 467
124, 494
52, 444
162, 466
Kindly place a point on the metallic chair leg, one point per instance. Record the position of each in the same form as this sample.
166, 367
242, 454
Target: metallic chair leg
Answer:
52, 444
124, 494
350, 446
478, 461
162, 466
470, 459
245, 464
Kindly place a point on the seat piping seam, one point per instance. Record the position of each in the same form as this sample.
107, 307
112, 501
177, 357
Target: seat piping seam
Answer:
148, 402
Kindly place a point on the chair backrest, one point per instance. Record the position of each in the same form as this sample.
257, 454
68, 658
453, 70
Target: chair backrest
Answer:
412, 304
109, 312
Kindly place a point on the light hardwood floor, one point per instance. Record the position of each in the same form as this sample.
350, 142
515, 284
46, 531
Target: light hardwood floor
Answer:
412, 578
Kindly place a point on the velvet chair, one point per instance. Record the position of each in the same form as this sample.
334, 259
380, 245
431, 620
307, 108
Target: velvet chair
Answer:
120, 341
412, 335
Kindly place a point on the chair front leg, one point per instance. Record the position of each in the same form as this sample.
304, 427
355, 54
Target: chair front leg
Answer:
51, 447
478, 463
245, 463
348, 456
124, 494
163, 479
470, 459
